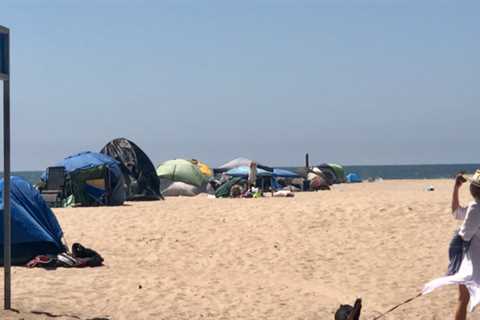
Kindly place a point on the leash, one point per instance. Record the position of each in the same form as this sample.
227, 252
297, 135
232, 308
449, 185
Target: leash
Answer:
398, 305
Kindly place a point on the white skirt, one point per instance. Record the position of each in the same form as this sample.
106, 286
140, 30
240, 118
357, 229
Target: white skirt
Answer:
468, 275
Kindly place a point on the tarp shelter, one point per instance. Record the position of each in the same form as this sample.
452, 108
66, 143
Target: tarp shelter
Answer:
93, 179
283, 173
35, 230
183, 171
138, 171
235, 163
353, 177
244, 171
240, 162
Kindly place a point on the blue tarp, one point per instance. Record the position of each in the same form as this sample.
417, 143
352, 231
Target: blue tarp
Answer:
282, 173
88, 159
353, 177
243, 172
35, 229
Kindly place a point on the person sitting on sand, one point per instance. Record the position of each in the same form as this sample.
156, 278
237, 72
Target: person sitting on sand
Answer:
236, 191
464, 250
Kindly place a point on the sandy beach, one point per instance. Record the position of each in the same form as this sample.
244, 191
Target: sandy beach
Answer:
270, 258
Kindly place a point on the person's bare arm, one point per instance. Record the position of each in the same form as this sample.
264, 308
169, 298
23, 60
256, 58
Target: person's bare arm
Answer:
459, 180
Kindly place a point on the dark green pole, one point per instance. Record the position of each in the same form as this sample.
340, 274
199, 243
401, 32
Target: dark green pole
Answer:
7, 258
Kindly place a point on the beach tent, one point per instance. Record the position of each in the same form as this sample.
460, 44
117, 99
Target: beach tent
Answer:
203, 167
333, 173
93, 179
142, 182
183, 171
353, 177
179, 188
35, 230
339, 172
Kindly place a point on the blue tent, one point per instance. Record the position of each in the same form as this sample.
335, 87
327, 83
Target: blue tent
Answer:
35, 230
353, 177
85, 169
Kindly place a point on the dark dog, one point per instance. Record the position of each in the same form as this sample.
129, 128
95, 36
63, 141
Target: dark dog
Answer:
89, 257
347, 312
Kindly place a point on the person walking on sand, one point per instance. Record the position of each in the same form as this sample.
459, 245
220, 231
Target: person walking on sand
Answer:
464, 250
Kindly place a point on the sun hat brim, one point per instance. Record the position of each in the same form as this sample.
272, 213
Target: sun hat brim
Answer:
473, 181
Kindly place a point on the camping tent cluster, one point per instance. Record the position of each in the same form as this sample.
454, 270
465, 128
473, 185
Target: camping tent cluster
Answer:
121, 171
297, 179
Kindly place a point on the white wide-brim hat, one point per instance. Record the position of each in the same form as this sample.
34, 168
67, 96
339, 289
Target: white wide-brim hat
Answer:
475, 179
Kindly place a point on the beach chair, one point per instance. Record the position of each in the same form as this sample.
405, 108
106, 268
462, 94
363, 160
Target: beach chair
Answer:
55, 185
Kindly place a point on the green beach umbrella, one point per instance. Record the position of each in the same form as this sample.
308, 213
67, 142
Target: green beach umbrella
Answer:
181, 170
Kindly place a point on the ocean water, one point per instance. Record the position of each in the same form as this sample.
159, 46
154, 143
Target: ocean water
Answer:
31, 176
427, 171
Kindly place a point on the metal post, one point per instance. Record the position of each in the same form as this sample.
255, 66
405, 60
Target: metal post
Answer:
7, 258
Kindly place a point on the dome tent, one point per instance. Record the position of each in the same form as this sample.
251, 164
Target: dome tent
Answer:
334, 173
183, 171
141, 179
93, 179
339, 172
35, 229
353, 177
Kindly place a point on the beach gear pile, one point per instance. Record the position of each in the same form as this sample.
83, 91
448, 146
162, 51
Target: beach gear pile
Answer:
79, 257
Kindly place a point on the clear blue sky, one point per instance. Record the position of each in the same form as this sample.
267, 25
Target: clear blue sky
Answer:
354, 82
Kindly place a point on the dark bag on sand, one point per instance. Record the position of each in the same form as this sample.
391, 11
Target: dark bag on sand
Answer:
90, 257
456, 251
